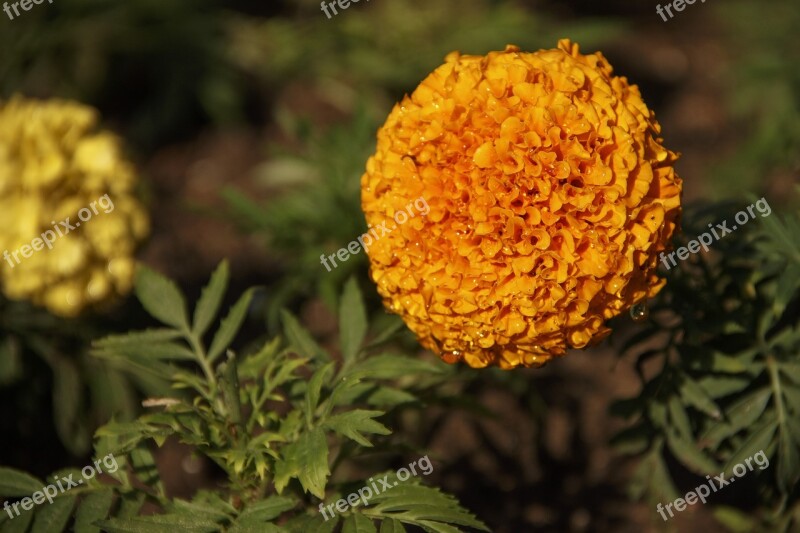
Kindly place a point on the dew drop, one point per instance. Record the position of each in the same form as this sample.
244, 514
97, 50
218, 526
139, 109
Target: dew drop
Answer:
640, 312
451, 357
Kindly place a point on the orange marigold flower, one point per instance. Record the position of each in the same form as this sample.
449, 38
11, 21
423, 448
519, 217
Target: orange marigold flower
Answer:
551, 198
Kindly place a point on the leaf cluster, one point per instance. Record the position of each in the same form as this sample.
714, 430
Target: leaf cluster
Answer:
279, 420
720, 365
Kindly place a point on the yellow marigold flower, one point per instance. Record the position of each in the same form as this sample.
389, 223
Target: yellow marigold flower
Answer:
54, 164
551, 197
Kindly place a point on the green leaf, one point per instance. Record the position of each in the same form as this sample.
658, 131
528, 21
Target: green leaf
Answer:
93, 507
789, 455
130, 504
249, 525
415, 504
390, 525
688, 454
210, 299
759, 440
385, 397
315, 389
721, 386
144, 466
387, 366
14, 483
312, 455
353, 424
693, 394
161, 298
352, 320
740, 415
268, 509
300, 339
67, 408
633, 440
230, 325
358, 523
19, 524
137, 340
307, 460
53, 517
735, 520
388, 332
160, 524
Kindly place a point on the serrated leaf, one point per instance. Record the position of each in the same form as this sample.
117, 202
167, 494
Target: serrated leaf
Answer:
130, 504
721, 386
689, 455
307, 460
53, 518
268, 509
210, 299
144, 466
679, 418
230, 325
413, 503
14, 483
388, 366
741, 414
138, 339
759, 440
353, 424
160, 524
161, 298
352, 320
390, 397
358, 523
300, 339
312, 455
315, 389
93, 507
693, 394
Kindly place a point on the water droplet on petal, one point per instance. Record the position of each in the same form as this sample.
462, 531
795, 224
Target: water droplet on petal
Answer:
451, 357
640, 312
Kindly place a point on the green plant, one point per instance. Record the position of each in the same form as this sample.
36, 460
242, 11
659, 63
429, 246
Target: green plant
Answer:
720, 366
280, 419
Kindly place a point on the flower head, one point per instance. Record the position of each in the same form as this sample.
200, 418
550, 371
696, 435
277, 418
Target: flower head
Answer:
69, 219
551, 197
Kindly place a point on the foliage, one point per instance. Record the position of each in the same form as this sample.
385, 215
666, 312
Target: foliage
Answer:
764, 96
720, 365
44, 358
317, 210
173, 67
279, 420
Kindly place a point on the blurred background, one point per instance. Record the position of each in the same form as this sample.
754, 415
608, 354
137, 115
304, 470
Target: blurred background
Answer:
250, 124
